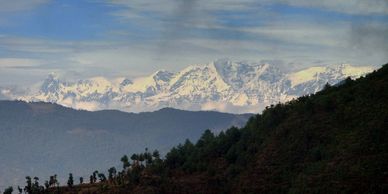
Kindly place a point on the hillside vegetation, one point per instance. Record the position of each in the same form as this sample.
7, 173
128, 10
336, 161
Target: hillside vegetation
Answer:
334, 141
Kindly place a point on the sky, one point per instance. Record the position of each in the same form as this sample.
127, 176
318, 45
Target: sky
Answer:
85, 38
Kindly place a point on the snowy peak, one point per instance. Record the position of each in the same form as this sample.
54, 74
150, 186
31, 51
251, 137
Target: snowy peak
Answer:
162, 75
237, 74
220, 85
330, 74
198, 80
305, 75
354, 72
125, 82
50, 84
156, 82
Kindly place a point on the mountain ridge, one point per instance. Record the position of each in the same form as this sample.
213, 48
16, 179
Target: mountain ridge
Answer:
225, 86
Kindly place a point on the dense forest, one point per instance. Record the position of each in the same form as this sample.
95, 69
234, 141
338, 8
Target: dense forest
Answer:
334, 141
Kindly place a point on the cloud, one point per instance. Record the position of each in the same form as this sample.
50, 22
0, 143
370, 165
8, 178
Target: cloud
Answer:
89, 106
355, 7
369, 41
135, 8
185, 27
228, 107
302, 33
369, 35
18, 62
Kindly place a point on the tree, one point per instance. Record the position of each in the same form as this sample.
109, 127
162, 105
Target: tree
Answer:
148, 158
141, 158
81, 180
91, 179
56, 183
47, 184
51, 181
28, 187
327, 86
206, 138
102, 177
95, 173
20, 189
135, 158
156, 154
8, 190
70, 181
112, 173
125, 162
36, 184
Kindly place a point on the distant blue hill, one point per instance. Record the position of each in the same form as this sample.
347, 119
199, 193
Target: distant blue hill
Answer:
40, 139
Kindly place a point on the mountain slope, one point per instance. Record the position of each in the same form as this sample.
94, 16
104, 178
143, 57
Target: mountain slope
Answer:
335, 141
332, 142
43, 138
221, 85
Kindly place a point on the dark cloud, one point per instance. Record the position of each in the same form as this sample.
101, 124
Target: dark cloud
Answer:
370, 37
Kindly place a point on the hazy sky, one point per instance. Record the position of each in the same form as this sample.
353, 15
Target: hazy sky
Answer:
83, 38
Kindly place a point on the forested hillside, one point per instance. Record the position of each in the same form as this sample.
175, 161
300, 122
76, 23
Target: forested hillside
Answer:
334, 141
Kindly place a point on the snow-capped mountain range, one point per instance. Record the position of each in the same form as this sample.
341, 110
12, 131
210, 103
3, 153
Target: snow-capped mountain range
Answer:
221, 85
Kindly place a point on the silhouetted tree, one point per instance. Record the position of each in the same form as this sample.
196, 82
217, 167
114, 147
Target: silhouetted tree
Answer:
47, 184
102, 177
36, 184
156, 154
135, 159
28, 187
8, 190
112, 172
56, 183
327, 86
70, 181
81, 180
141, 158
147, 157
51, 181
125, 162
95, 173
91, 179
